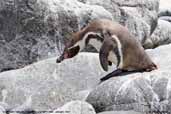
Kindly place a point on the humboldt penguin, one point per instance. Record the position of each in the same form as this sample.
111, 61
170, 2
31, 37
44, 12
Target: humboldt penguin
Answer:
114, 43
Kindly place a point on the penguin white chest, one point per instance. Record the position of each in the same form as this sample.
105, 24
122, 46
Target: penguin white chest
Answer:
95, 43
112, 57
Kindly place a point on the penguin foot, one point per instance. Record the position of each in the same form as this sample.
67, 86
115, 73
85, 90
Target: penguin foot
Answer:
119, 72
112, 74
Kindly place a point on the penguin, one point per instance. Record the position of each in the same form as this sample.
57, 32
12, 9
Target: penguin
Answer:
114, 43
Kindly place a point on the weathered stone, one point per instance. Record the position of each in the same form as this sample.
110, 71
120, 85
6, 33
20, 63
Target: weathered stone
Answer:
120, 112
47, 85
32, 30
166, 18
76, 107
161, 35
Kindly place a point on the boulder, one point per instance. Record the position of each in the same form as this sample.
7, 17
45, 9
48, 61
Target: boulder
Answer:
32, 30
46, 85
166, 18
2, 110
120, 112
75, 107
161, 35
142, 92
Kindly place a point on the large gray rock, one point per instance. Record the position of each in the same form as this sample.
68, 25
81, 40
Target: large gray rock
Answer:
140, 16
2, 109
161, 35
142, 92
120, 112
166, 18
76, 107
47, 85
32, 30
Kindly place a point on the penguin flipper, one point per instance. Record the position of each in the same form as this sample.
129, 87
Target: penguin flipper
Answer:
103, 56
106, 47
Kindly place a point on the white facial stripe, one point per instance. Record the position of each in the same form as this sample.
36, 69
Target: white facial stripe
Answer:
120, 50
81, 43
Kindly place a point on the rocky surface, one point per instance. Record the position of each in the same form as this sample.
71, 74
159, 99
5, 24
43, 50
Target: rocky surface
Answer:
32, 30
47, 85
166, 18
142, 92
120, 112
76, 107
162, 33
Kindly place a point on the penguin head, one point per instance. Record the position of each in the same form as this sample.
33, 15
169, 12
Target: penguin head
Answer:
71, 48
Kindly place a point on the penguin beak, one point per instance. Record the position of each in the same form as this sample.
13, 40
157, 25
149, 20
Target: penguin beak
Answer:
68, 53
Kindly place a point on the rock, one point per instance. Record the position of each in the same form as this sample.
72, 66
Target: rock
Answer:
25, 108
4, 106
161, 35
83, 71
166, 18
2, 110
82, 95
47, 85
44, 93
32, 30
121, 112
142, 92
41, 88
76, 107
162, 32
139, 16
